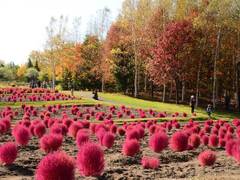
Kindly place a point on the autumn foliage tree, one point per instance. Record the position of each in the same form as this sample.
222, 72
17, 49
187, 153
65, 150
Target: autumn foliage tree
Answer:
172, 54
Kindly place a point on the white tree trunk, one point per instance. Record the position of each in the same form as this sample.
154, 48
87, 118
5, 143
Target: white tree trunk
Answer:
171, 90
183, 91
164, 92
145, 83
103, 84
215, 68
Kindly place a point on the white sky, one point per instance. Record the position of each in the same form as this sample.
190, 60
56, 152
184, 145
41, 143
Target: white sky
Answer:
23, 22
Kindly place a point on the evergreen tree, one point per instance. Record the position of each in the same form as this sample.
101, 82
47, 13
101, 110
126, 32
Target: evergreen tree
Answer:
29, 63
36, 66
67, 81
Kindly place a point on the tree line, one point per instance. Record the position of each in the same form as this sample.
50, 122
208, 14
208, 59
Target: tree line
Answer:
160, 49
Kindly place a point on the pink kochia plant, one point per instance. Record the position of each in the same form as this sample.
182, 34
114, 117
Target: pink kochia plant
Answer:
149, 162
39, 130
90, 160
21, 135
108, 139
179, 141
194, 141
213, 140
158, 141
121, 131
8, 153
82, 137
56, 166
229, 147
133, 134
51, 142
207, 158
130, 147
236, 150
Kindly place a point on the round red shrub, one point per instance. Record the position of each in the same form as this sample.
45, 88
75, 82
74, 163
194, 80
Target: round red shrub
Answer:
141, 132
81, 138
149, 162
228, 136
39, 130
8, 153
213, 140
229, 147
3, 128
73, 129
132, 134
21, 135
194, 140
179, 141
7, 123
113, 129
56, 166
222, 142
205, 139
130, 147
90, 160
121, 131
207, 158
236, 150
108, 139
158, 141
51, 142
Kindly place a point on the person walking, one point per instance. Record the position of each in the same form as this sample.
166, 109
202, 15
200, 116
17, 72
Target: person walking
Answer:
192, 103
95, 95
209, 111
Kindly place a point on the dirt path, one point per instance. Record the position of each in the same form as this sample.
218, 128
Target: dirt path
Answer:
89, 95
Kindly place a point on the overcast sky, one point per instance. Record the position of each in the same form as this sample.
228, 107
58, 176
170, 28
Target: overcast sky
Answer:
23, 22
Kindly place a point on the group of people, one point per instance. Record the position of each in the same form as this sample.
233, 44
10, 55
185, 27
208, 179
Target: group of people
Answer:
209, 108
38, 84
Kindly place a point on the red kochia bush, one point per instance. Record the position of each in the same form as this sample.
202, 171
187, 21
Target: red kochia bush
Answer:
194, 141
3, 128
8, 153
179, 141
108, 139
130, 147
213, 140
158, 141
141, 132
56, 166
132, 134
51, 142
39, 130
90, 160
150, 162
207, 158
236, 150
82, 137
204, 140
73, 129
21, 135
229, 147
121, 131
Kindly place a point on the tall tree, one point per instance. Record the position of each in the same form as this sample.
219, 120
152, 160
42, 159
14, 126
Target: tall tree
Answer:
172, 54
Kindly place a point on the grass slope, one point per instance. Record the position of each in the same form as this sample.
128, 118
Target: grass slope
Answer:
119, 99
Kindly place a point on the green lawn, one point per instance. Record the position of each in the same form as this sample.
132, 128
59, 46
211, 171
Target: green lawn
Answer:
41, 103
119, 99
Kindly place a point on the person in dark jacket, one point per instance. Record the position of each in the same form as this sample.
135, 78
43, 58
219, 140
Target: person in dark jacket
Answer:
192, 103
209, 111
95, 95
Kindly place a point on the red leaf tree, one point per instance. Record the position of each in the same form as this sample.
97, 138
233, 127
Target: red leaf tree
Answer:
172, 54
